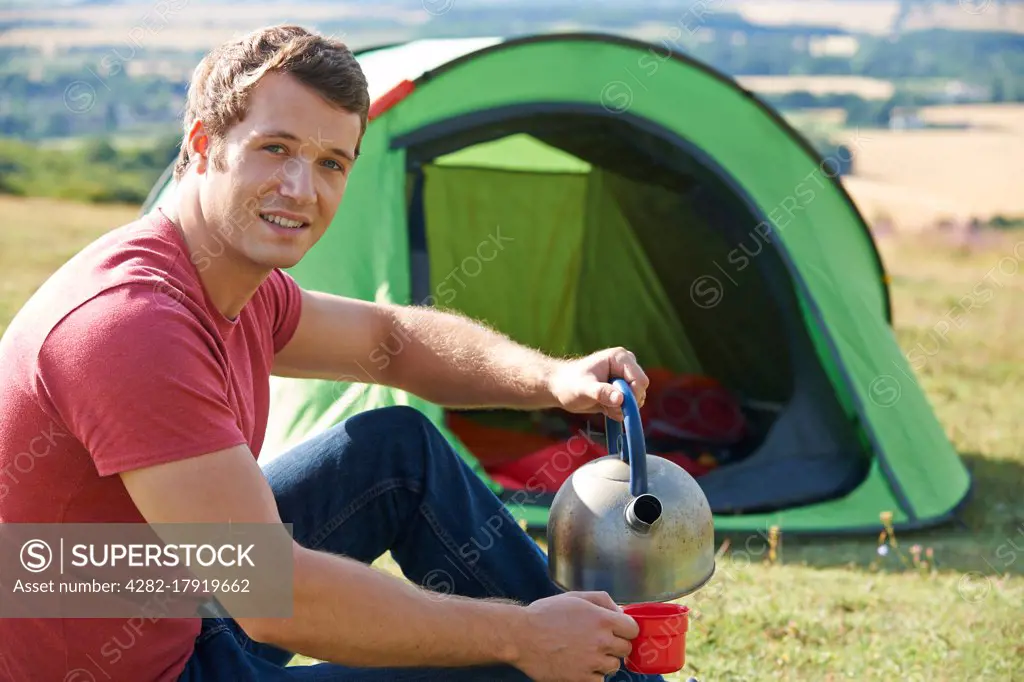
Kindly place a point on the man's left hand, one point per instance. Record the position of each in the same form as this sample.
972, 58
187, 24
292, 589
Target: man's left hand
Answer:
584, 386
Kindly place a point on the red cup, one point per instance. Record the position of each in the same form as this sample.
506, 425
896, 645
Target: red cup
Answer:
661, 645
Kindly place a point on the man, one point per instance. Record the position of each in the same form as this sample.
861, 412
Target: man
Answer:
145, 361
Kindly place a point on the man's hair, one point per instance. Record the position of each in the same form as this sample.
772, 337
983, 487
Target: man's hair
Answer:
222, 83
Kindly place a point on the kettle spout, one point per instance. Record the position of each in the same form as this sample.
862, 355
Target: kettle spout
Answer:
643, 512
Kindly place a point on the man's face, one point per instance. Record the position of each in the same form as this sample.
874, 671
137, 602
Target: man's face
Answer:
286, 162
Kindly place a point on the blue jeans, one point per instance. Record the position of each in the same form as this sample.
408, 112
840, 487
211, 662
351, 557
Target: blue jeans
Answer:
388, 480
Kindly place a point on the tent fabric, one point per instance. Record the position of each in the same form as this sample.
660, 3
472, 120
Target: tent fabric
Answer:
655, 204
578, 280
521, 152
755, 359
475, 227
626, 303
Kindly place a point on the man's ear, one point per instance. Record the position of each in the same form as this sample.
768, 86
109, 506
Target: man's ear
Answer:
199, 146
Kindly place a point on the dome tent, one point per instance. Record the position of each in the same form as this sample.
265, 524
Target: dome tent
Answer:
579, 191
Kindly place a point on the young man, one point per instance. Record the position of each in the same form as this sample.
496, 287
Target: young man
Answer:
136, 379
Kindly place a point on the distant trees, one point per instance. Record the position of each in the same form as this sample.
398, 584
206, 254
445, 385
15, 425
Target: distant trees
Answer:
75, 96
92, 170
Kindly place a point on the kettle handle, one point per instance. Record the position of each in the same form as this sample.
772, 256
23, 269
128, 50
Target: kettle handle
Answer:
634, 451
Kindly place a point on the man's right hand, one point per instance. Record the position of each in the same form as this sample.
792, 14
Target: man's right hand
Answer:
573, 637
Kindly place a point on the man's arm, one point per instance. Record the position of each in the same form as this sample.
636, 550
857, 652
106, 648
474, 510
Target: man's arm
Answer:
151, 366
344, 611
349, 613
447, 358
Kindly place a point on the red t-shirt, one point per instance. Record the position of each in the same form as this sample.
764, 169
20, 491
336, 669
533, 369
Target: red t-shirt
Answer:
120, 361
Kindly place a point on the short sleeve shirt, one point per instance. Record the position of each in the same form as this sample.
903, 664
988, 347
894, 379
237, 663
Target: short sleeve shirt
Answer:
121, 361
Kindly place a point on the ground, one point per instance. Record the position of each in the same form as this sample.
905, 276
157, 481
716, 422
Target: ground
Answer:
824, 609
916, 178
966, 165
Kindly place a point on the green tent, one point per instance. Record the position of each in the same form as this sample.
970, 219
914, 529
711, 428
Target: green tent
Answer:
584, 191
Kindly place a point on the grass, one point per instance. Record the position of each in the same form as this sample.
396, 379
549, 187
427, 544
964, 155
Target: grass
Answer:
37, 235
823, 609
836, 609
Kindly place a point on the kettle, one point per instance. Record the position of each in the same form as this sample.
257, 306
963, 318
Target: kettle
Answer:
636, 526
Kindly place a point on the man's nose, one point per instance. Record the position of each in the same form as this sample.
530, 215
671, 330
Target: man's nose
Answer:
297, 183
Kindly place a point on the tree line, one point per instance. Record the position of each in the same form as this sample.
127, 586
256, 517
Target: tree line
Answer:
87, 95
92, 170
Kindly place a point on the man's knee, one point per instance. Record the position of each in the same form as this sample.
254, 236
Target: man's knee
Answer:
400, 418
395, 424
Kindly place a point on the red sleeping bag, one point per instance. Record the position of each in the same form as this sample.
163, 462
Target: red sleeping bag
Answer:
692, 408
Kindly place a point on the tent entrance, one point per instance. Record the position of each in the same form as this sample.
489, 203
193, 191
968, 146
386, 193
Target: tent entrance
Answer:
575, 231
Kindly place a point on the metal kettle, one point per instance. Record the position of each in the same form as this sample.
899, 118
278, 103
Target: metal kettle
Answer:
636, 526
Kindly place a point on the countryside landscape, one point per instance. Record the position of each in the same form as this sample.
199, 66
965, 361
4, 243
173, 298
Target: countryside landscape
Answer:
919, 102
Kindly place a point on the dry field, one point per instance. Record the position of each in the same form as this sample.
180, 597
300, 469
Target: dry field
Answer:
862, 86
65, 227
919, 177
878, 16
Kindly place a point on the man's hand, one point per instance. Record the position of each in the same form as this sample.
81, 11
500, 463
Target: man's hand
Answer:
574, 637
584, 385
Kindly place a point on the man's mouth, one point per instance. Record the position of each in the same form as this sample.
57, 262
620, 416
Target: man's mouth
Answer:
284, 222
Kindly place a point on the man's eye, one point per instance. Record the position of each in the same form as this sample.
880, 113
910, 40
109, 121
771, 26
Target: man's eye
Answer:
272, 147
334, 165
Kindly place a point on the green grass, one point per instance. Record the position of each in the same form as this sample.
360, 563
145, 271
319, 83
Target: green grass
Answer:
827, 609
37, 235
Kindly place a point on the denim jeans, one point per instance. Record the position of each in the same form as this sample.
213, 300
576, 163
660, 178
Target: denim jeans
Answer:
386, 480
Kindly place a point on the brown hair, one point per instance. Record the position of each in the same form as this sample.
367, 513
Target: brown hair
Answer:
221, 84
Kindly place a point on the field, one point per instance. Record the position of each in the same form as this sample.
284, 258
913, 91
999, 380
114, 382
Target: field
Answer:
916, 178
879, 16
827, 609
868, 88
36, 235
178, 26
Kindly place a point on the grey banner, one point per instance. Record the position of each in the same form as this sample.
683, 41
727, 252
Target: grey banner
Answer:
127, 570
